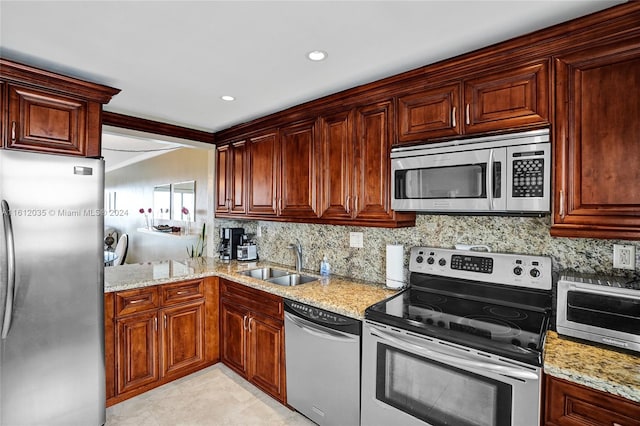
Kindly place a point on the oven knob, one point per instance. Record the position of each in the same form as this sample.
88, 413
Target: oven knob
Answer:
517, 270
442, 262
430, 260
532, 345
440, 323
516, 342
535, 273
430, 321
419, 259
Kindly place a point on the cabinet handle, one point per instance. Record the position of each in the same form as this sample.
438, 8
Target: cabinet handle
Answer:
244, 322
250, 319
453, 117
229, 203
133, 302
13, 131
347, 203
467, 114
182, 292
355, 204
561, 204
165, 320
280, 204
155, 320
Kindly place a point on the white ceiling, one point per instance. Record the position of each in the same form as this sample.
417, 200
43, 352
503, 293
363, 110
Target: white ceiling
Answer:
174, 59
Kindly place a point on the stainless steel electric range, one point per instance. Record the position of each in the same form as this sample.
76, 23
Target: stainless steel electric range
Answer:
462, 345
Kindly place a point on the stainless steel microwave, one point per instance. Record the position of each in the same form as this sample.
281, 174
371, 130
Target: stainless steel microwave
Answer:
499, 174
601, 309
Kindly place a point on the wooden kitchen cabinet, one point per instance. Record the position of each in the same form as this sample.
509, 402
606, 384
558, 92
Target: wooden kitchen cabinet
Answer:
596, 136
231, 172
262, 174
159, 333
298, 160
504, 100
570, 404
332, 168
51, 113
252, 336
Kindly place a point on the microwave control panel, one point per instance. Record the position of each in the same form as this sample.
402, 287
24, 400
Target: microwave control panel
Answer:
528, 174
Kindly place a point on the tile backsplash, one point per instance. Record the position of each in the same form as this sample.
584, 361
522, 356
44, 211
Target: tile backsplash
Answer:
524, 235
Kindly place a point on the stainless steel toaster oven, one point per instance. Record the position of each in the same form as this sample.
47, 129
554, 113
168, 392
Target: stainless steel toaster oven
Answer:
600, 309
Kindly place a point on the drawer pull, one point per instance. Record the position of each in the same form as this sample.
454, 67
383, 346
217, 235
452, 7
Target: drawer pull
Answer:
453, 117
133, 302
182, 292
13, 131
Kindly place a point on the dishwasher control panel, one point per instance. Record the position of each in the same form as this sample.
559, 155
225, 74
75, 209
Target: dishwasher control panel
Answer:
322, 316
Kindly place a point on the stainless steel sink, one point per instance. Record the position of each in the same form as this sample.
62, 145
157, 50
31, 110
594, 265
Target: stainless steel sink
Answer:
292, 279
264, 273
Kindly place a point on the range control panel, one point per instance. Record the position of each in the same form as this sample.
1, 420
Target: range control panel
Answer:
498, 268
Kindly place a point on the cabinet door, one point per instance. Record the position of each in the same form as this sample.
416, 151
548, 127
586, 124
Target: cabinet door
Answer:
137, 351
47, 122
567, 404
266, 368
430, 113
373, 175
262, 174
233, 320
237, 175
337, 159
298, 170
508, 99
223, 179
182, 337
596, 143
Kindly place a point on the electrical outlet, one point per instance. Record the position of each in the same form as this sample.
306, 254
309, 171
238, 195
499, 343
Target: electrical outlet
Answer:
624, 257
356, 239
258, 231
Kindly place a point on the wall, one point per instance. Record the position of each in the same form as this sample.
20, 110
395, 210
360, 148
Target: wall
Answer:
134, 185
503, 234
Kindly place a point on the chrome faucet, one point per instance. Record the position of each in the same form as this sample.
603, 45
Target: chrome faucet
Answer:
298, 248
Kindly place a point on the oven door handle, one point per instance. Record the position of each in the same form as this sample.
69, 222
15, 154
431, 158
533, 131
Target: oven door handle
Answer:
490, 180
454, 360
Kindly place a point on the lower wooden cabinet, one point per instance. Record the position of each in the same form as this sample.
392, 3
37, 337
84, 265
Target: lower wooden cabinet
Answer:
570, 404
156, 334
252, 336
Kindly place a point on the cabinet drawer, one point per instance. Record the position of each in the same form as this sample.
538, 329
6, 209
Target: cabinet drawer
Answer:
182, 292
256, 300
138, 300
572, 404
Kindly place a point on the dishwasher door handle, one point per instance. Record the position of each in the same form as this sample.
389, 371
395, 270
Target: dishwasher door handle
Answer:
318, 330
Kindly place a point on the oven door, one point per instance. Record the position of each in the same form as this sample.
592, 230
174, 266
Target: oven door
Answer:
462, 181
410, 379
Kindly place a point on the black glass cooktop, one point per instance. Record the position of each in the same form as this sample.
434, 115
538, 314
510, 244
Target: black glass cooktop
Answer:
508, 322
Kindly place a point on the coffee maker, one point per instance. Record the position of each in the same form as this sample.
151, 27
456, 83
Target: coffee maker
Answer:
229, 241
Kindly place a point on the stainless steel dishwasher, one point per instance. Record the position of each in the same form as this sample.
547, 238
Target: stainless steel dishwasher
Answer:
323, 364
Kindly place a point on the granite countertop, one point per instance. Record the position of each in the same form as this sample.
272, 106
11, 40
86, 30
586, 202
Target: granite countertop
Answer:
594, 366
338, 294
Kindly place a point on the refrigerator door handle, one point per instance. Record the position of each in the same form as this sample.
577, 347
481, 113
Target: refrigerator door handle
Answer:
11, 269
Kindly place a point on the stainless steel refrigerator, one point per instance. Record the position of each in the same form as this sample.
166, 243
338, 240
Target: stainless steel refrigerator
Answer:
51, 292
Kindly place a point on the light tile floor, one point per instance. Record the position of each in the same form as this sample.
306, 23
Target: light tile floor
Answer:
213, 396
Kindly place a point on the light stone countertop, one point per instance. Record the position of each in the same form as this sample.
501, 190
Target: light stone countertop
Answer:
594, 366
337, 294
610, 371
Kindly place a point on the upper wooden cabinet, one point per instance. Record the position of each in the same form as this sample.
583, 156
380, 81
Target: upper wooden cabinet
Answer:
507, 99
50, 113
262, 174
297, 195
230, 186
597, 143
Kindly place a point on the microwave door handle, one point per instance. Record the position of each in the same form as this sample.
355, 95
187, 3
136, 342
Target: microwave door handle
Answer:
490, 180
454, 360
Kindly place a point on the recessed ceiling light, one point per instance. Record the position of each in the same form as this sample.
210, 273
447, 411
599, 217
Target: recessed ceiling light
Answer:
227, 98
317, 55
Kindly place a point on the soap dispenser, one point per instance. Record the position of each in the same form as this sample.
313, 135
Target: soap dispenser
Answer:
325, 267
